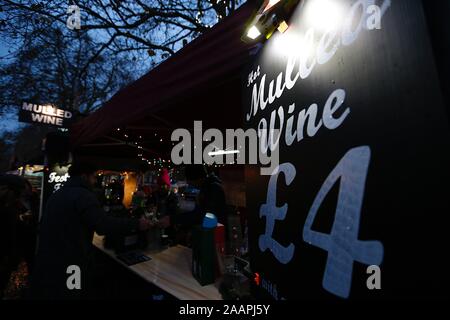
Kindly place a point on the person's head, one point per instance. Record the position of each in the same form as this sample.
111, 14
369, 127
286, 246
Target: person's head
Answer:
195, 174
85, 171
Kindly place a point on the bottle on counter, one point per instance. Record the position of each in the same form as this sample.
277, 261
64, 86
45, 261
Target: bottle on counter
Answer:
204, 250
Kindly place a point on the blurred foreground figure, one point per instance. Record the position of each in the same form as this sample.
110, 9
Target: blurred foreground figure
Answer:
71, 216
12, 189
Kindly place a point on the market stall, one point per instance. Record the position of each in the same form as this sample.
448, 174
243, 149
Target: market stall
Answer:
132, 132
364, 134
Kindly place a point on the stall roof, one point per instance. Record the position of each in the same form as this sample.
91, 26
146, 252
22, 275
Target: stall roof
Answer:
202, 81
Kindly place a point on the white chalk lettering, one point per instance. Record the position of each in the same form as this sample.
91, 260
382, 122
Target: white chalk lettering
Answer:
321, 52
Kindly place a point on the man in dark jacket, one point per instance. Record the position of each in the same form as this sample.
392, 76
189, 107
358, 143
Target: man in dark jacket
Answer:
71, 216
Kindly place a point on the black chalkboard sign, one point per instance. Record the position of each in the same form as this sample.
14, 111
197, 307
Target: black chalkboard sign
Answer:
361, 194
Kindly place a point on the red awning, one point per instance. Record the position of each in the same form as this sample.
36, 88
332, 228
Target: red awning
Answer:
202, 81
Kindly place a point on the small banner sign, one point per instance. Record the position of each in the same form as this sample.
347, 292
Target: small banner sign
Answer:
45, 115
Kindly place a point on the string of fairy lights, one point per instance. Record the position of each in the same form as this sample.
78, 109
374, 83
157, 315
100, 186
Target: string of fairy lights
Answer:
157, 162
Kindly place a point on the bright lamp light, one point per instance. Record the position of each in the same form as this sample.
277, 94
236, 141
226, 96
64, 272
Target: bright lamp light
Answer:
324, 15
283, 27
272, 15
253, 33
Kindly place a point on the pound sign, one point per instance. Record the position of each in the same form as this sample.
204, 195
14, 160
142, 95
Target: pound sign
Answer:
272, 213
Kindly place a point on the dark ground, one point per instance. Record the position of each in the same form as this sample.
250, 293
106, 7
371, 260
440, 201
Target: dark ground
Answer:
112, 281
18, 283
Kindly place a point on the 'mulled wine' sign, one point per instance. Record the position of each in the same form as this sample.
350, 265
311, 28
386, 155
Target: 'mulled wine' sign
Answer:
45, 114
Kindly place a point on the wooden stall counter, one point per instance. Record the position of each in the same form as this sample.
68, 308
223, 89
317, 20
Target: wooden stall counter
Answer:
170, 270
